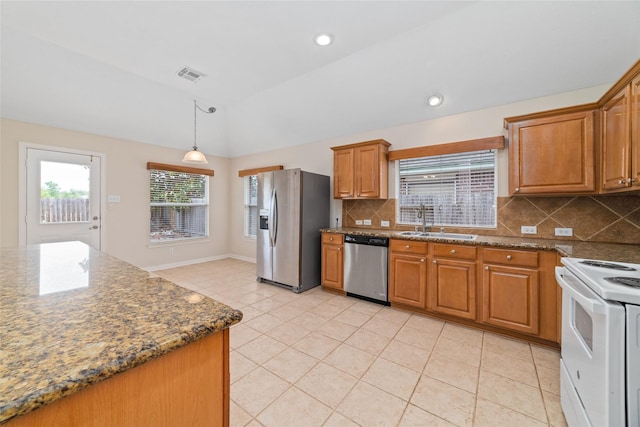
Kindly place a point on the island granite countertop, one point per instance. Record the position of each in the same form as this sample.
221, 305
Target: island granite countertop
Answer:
578, 249
71, 316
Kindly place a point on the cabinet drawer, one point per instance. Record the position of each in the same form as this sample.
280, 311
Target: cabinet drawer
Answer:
454, 251
408, 246
332, 238
510, 257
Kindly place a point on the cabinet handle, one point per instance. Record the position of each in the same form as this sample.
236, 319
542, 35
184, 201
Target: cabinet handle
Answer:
421, 259
339, 249
434, 261
509, 257
517, 190
631, 180
486, 267
453, 251
407, 247
331, 238
621, 181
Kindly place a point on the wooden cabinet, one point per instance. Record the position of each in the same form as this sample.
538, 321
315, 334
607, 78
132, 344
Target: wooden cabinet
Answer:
510, 290
408, 272
616, 141
360, 171
187, 386
620, 134
332, 260
553, 152
452, 280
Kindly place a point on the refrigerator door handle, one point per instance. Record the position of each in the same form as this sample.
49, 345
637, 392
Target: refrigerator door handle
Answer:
274, 218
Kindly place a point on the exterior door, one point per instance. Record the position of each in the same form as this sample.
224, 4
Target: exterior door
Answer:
62, 197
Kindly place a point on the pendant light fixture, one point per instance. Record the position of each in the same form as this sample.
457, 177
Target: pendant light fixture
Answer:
195, 156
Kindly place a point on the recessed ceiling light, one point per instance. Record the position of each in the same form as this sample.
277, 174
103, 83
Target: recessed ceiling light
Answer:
323, 39
435, 100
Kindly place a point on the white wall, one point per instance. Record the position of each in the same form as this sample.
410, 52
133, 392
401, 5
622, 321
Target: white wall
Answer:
318, 157
127, 222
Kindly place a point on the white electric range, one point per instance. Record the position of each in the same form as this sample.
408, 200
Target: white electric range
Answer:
600, 356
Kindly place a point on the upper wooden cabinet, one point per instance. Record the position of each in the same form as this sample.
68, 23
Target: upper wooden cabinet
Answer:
360, 171
552, 152
621, 137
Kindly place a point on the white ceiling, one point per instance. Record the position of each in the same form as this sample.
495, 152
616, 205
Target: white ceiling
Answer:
110, 67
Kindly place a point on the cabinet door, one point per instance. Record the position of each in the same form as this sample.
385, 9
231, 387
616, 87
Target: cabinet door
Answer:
408, 279
367, 171
552, 154
635, 132
616, 140
343, 174
510, 298
332, 260
452, 288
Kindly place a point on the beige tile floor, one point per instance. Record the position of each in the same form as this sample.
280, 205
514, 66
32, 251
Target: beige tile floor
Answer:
320, 359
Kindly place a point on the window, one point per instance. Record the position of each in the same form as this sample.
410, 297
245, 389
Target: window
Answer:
179, 205
250, 205
457, 189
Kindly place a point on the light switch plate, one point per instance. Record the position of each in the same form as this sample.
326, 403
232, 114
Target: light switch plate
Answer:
529, 229
358, 222
564, 231
384, 223
367, 222
112, 198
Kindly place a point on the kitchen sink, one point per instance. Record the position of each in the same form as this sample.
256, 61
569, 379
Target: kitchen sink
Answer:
411, 233
438, 235
452, 236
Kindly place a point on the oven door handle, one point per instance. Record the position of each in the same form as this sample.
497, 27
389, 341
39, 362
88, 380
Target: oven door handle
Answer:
579, 292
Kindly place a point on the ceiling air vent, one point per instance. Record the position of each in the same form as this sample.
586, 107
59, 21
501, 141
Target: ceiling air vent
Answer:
191, 74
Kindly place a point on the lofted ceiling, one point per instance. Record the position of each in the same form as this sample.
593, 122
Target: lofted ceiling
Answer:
110, 68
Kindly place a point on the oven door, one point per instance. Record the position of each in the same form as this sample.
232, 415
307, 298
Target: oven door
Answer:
593, 355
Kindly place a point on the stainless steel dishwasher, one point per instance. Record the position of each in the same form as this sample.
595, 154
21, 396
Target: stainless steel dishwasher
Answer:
365, 267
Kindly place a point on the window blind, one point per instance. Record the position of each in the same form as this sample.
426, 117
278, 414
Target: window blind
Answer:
251, 205
179, 205
457, 189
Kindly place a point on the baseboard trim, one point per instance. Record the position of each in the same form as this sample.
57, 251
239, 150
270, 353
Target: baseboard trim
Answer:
198, 261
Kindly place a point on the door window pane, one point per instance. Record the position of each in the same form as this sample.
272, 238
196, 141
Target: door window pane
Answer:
64, 193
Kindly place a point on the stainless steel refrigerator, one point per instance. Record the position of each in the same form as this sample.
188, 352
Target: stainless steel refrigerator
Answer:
293, 206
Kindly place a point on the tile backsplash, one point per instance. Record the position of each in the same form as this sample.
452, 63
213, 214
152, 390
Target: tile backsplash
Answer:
593, 218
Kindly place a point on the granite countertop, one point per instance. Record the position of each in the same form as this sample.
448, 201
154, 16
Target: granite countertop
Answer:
572, 248
71, 316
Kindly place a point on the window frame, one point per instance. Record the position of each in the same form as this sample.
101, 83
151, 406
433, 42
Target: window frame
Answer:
431, 208
204, 202
248, 206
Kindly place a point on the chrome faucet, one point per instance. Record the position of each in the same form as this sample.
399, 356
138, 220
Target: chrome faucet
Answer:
422, 213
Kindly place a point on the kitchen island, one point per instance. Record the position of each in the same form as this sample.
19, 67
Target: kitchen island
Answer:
88, 339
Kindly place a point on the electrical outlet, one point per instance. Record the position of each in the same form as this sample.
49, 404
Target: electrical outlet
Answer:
111, 198
529, 229
564, 231
367, 222
358, 222
384, 223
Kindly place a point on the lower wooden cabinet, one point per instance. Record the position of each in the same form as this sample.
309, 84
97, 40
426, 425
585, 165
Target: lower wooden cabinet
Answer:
514, 291
510, 298
408, 272
452, 281
332, 261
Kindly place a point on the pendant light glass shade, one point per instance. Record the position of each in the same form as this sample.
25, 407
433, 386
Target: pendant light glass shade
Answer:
195, 156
